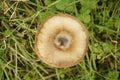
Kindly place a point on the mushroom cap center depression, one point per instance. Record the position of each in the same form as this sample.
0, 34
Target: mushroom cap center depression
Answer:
63, 40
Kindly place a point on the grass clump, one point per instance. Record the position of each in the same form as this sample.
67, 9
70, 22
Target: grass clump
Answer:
18, 24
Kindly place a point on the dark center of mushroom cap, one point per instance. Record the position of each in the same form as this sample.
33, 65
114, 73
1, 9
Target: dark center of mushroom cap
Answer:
62, 40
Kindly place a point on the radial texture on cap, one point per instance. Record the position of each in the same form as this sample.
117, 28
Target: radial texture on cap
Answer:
61, 41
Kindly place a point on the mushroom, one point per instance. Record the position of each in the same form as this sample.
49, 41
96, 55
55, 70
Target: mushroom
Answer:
61, 41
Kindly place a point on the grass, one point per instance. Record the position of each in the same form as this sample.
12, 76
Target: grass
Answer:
19, 20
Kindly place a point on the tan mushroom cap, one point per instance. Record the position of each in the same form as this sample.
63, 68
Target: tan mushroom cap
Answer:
61, 41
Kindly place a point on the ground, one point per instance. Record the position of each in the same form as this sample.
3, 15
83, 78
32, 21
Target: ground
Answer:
19, 20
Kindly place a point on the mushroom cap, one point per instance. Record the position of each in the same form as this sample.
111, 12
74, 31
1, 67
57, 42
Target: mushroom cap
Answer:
61, 41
